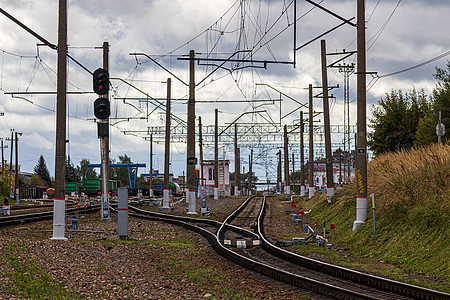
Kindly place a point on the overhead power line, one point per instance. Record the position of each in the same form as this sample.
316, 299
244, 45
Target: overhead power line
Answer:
416, 66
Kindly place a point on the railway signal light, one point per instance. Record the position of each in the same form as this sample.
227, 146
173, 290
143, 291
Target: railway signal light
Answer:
101, 108
101, 81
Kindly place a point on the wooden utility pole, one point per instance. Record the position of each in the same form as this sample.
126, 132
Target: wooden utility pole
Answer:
166, 190
59, 204
302, 157
104, 141
311, 144
326, 117
287, 185
191, 161
216, 154
361, 153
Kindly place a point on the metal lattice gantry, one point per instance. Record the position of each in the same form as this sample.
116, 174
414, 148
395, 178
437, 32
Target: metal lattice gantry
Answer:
246, 133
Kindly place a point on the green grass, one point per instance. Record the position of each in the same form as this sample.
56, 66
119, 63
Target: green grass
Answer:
216, 283
31, 281
412, 240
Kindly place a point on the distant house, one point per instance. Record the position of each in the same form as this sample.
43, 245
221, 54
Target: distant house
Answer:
224, 177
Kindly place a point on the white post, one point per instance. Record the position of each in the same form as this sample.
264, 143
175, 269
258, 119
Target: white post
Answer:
311, 191
166, 199
59, 216
192, 203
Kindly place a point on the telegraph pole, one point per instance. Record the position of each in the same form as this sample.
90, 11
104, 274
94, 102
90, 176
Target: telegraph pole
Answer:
287, 185
216, 154
167, 148
151, 167
104, 142
200, 140
326, 117
311, 145
361, 153
302, 157
236, 162
192, 207
59, 204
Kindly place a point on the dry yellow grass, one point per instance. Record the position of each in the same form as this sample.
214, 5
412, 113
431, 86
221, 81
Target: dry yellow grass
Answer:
412, 177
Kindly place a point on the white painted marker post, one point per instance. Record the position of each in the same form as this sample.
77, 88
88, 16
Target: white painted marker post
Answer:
373, 209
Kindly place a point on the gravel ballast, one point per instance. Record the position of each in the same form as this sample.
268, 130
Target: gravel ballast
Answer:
157, 261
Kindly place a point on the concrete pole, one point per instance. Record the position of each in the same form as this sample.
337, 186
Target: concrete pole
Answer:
3, 158
202, 184
361, 153
16, 177
11, 153
59, 204
105, 149
239, 171
250, 170
122, 212
166, 190
302, 157
236, 162
151, 194
279, 172
311, 145
190, 197
293, 174
216, 154
287, 185
326, 117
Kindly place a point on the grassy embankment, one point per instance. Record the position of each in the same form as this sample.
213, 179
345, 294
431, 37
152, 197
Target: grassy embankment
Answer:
412, 241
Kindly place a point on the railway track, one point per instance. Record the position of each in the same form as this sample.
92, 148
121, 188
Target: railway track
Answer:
266, 258
39, 216
298, 271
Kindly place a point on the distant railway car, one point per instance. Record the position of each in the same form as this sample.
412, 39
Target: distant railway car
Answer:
93, 186
72, 187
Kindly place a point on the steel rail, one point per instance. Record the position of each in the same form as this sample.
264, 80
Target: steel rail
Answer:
34, 217
384, 284
262, 268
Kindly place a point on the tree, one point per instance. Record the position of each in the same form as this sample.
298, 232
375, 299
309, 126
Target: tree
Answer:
121, 174
41, 170
396, 119
84, 171
36, 180
426, 132
5, 186
71, 173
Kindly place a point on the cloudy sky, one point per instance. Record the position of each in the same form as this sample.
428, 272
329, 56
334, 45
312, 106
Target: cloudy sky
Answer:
400, 34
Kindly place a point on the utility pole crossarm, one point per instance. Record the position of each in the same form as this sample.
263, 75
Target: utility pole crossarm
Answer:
161, 66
